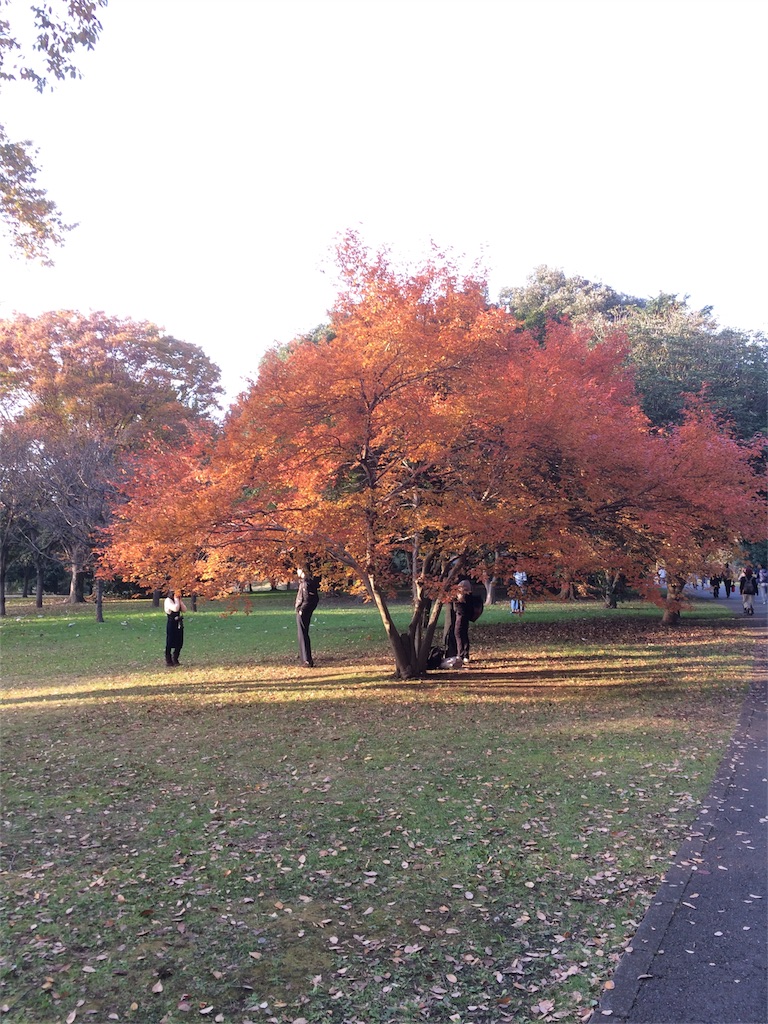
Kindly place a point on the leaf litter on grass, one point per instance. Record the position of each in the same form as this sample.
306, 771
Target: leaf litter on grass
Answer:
474, 848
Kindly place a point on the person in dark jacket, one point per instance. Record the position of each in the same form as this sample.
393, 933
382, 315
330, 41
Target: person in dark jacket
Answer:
174, 626
307, 599
458, 618
728, 581
748, 588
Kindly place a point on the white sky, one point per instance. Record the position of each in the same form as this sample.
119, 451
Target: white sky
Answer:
215, 149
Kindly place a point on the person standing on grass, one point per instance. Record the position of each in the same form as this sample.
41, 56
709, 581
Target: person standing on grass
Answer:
762, 582
457, 619
174, 626
748, 589
728, 581
307, 599
517, 603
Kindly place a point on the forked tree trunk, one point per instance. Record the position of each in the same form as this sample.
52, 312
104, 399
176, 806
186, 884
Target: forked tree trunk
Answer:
410, 649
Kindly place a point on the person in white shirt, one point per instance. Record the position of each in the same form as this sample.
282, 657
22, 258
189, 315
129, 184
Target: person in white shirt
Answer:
517, 602
174, 626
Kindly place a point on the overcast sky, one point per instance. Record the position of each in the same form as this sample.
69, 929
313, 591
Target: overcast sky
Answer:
215, 149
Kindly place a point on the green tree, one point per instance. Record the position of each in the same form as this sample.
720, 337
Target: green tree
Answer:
58, 28
549, 295
676, 351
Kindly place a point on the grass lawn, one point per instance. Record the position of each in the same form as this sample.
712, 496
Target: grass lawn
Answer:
240, 839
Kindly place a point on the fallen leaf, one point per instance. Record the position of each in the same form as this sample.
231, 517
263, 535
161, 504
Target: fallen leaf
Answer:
157, 987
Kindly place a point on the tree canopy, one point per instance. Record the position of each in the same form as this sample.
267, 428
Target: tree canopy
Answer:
675, 351
37, 44
79, 395
421, 431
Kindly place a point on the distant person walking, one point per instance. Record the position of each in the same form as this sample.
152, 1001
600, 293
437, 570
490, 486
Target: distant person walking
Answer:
762, 582
307, 599
748, 590
728, 581
714, 582
174, 626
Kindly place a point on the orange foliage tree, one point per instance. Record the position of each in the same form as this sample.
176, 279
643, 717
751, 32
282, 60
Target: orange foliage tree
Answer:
90, 389
421, 432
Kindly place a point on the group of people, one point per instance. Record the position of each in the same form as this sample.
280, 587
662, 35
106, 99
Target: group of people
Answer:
462, 610
751, 582
725, 580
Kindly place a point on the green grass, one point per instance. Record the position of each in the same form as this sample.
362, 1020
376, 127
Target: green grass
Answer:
244, 840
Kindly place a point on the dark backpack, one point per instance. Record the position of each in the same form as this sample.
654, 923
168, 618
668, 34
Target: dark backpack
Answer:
477, 608
435, 657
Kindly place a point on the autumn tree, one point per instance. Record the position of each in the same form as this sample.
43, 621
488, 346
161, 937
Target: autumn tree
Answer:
421, 431
89, 391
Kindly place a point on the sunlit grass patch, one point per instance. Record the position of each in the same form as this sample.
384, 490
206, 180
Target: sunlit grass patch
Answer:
250, 841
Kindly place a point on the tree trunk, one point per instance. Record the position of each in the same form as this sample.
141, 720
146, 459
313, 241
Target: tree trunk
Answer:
673, 601
77, 587
99, 600
39, 585
398, 642
3, 562
155, 598
613, 586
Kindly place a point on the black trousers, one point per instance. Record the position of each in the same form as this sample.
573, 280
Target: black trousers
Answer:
174, 638
461, 631
303, 617
456, 631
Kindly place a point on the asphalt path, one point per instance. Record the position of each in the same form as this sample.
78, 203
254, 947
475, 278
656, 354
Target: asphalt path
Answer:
700, 955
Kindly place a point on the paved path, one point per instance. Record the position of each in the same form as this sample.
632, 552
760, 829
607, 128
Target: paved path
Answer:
700, 955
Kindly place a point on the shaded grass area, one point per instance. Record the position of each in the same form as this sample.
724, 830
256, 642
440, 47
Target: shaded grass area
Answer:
245, 841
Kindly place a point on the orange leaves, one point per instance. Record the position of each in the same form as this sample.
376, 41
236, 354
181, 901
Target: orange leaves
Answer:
425, 422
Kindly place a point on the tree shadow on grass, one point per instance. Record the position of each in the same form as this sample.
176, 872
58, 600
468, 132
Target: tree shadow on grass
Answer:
502, 683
